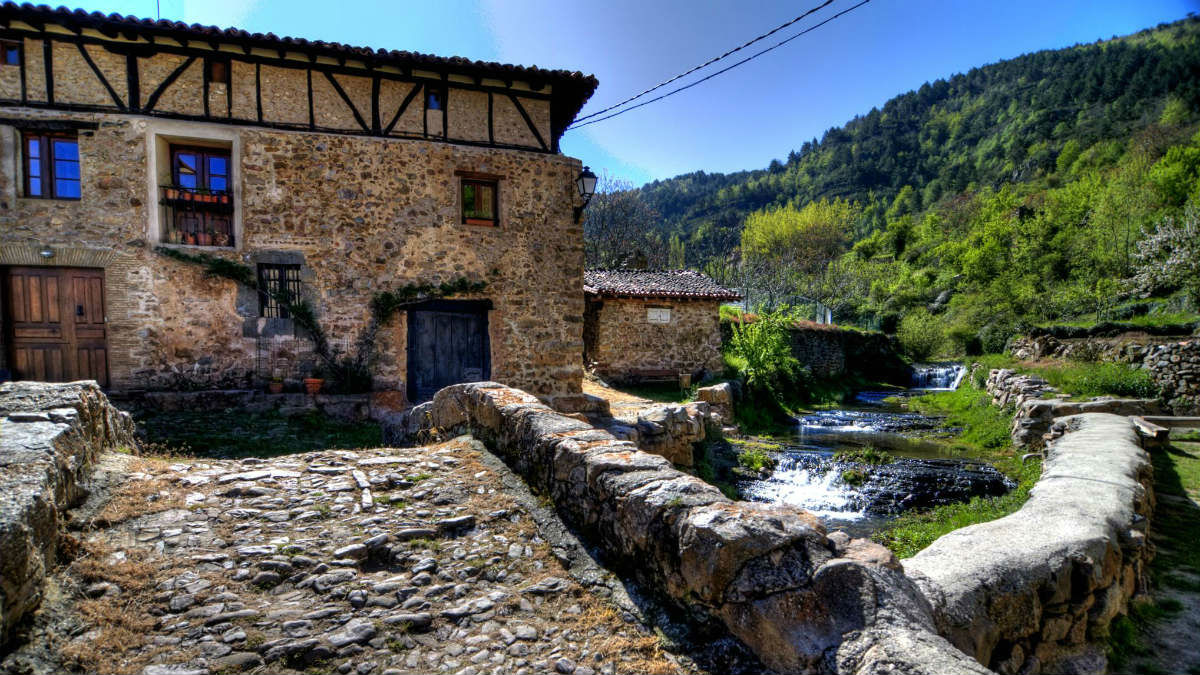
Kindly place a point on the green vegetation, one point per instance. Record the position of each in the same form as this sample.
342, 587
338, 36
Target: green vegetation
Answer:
854, 477
1051, 187
752, 455
661, 392
252, 434
865, 455
912, 532
985, 428
1077, 378
921, 335
713, 467
1175, 569
1100, 379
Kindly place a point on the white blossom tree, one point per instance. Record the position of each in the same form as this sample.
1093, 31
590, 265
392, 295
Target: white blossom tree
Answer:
1169, 257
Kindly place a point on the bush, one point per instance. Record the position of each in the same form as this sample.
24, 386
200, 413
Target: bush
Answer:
762, 352
921, 335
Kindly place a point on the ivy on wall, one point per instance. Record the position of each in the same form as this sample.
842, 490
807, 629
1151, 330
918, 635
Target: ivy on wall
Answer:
350, 373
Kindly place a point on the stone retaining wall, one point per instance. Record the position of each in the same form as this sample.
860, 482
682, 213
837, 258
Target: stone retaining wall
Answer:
50, 434
804, 602
1034, 414
1174, 364
1031, 592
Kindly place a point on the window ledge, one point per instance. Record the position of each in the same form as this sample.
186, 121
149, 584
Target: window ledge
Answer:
188, 247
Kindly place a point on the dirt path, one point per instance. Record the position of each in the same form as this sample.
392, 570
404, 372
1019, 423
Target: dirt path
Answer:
1163, 635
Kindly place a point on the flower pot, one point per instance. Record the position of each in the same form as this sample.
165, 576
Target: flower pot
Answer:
189, 239
221, 239
312, 385
204, 239
275, 386
172, 193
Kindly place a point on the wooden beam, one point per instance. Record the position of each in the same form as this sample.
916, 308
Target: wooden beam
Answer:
100, 76
48, 67
342, 92
1150, 430
312, 113
529, 122
376, 127
170, 79
258, 89
412, 93
491, 122
133, 82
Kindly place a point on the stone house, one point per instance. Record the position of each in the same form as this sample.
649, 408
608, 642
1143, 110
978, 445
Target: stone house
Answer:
332, 172
652, 325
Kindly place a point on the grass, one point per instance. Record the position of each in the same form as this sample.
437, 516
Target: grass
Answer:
1175, 569
864, 455
985, 428
1144, 321
753, 455
1077, 378
910, 533
254, 434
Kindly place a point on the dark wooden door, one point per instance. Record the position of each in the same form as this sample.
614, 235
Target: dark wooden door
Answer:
54, 320
445, 348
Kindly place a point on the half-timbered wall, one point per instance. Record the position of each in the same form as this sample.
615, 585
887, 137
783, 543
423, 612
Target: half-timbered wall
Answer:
273, 88
338, 168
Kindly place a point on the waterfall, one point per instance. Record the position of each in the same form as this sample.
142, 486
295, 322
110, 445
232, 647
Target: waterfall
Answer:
937, 376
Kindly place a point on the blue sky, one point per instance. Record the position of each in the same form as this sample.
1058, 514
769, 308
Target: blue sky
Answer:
739, 120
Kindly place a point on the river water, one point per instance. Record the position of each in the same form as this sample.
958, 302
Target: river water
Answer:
808, 476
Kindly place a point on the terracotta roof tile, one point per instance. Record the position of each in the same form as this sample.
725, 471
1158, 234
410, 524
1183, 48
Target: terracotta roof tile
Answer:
655, 284
579, 87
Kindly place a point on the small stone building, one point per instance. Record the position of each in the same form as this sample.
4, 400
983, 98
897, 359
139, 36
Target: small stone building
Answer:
652, 325
332, 172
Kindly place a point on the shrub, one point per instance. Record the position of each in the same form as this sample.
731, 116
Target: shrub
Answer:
762, 352
921, 335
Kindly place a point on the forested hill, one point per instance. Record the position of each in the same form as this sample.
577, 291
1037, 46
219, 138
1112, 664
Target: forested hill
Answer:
1008, 122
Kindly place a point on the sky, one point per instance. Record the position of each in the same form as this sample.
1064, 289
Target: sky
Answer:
739, 120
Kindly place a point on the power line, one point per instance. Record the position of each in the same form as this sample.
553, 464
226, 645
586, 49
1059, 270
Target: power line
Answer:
708, 62
577, 124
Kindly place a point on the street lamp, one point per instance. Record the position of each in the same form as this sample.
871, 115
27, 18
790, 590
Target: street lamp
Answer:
586, 182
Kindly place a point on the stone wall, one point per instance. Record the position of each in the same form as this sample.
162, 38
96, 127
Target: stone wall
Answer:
1173, 363
1037, 405
50, 435
621, 345
359, 214
1035, 591
804, 602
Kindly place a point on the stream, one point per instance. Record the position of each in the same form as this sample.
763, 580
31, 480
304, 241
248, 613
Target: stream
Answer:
922, 474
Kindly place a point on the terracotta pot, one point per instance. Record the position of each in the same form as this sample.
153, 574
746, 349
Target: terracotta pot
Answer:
275, 387
312, 385
189, 239
204, 239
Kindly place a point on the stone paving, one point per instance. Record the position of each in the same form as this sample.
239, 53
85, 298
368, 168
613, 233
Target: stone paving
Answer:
387, 561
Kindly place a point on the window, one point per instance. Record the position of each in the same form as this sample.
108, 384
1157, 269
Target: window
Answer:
51, 166
199, 200
275, 283
216, 71
658, 315
435, 98
10, 54
479, 202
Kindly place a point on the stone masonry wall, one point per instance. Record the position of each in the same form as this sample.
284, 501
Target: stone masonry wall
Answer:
1034, 414
624, 346
804, 602
1035, 591
360, 214
50, 434
829, 351
1173, 363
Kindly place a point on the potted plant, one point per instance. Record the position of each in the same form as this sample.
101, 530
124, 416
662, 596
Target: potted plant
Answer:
204, 239
313, 383
221, 239
171, 193
189, 239
275, 386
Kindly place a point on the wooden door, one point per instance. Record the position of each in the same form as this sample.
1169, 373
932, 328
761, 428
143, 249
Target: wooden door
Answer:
54, 320
445, 348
